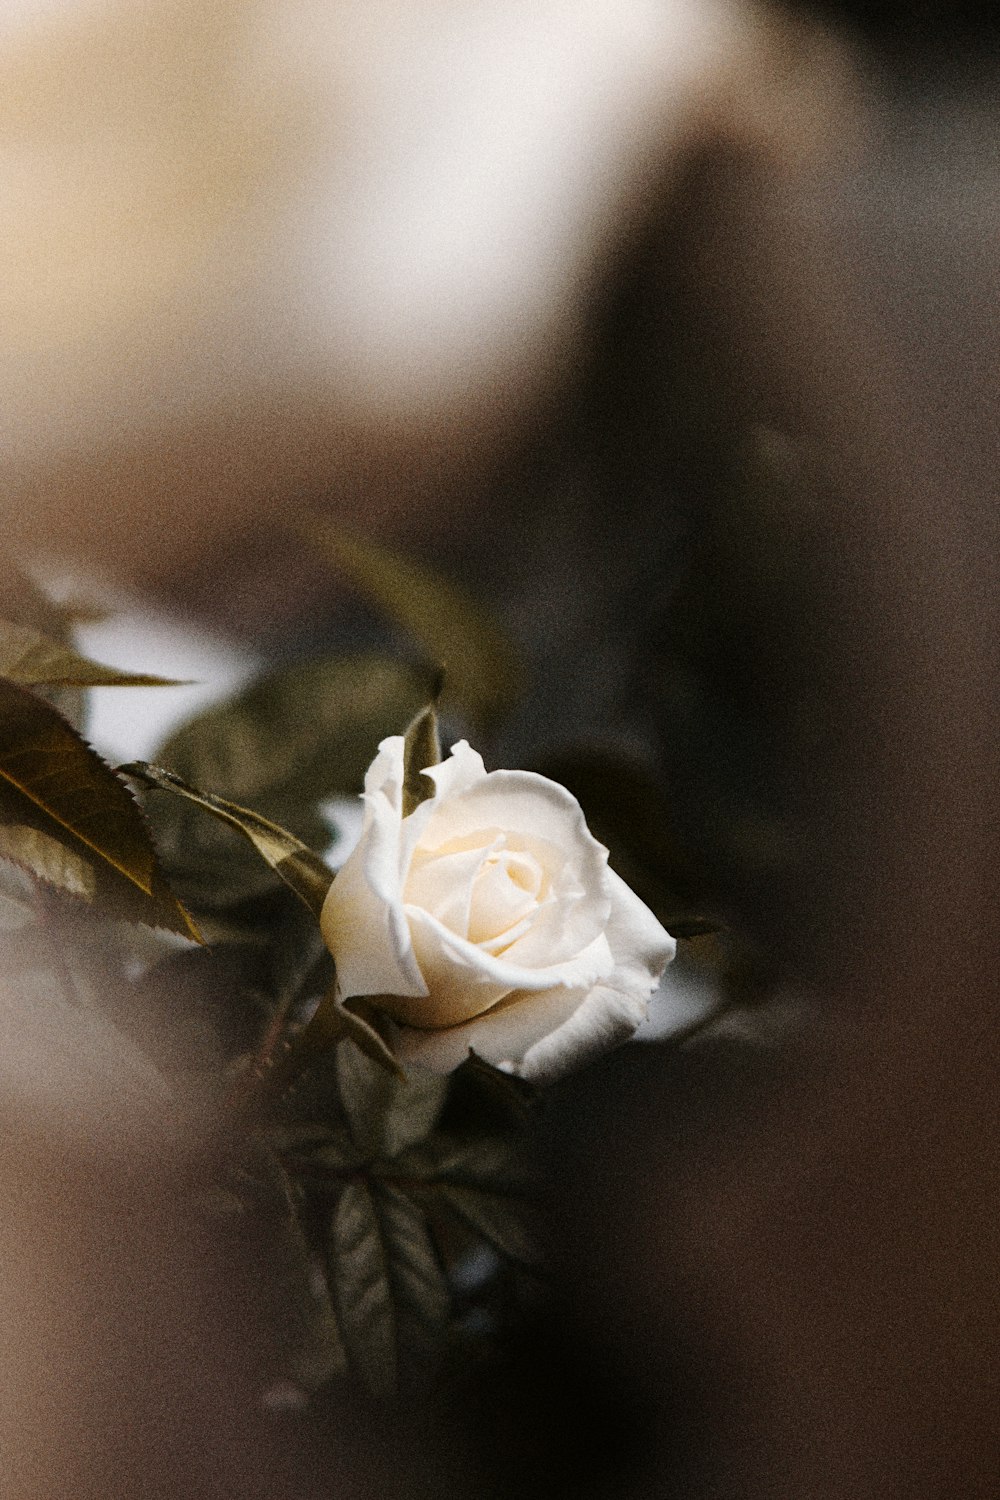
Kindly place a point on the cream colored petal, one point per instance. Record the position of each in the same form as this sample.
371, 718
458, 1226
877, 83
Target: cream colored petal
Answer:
460, 772
609, 1015
501, 1037
463, 980
363, 920
543, 819
503, 894
442, 885
385, 774
542, 1035
606, 1018
521, 802
641, 945
561, 927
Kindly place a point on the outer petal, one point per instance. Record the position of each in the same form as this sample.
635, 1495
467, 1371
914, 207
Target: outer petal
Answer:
536, 1018
463, 980
551, 819
384, 787
363, 920
462, 771
385, 774
609, 1015
364, 923
641, 945
502, 1036
541, 1035
605, 1019
520, 801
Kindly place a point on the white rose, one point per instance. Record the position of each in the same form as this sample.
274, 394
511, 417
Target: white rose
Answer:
488, 918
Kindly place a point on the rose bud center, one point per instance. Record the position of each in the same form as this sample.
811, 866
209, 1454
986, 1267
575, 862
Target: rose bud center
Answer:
487, 893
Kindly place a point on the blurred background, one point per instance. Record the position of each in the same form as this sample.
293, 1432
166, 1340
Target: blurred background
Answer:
670, 329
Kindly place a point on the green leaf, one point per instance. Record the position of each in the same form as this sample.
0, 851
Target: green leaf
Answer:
420, 1291
284, 745
336, 1150
386, 1114
54, 785
361, 1024
301, 734
27, 603
503, 1220
493, 1163
213, 997
301, 870
317, 1354
421, 749
307, 1322
332, 1020
49, 858
32, 659
486, 1181
44, 761
362, 1293
293, 1289
389, 1290
494, 1087
484, 672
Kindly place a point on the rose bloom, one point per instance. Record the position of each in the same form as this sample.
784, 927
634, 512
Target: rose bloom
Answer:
489, 918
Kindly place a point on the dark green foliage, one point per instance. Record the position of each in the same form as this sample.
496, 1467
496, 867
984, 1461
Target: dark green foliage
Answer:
389, 1288
301, 870
386, 1113
421, 749
67, 818
283, 746
403, 1190
33, 659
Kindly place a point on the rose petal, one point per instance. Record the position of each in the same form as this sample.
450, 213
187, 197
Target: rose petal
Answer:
502, 1036
363, 920
462, 770
582, 961
609, 1015
504, 892
521, 802
535, 814
606, 1018
541, 1035
641, 945
560, 928
463, 980
385, 774
442, 885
